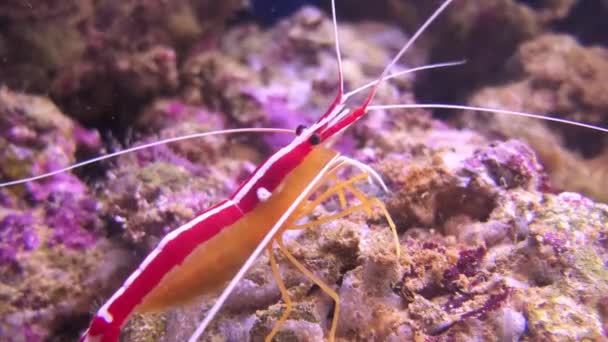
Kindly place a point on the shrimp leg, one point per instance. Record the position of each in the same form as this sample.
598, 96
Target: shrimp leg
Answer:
335, 189
341, 195
342, 162
367, 203
284, 295
338, 188
326, 288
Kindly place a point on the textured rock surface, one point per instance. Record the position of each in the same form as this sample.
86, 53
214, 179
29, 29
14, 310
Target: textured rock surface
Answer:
103, 60
54, 259
555, 74
491, 249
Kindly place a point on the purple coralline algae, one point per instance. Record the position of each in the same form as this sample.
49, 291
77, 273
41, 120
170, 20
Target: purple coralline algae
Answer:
37, 139
17, 234
151, 191
35, 131
73, 220
50, 231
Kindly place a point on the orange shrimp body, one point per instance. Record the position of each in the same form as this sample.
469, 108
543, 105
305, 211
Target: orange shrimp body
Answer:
202, 254
218, 259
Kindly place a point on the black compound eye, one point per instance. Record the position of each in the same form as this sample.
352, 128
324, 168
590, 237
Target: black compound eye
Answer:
314, 139
300, 129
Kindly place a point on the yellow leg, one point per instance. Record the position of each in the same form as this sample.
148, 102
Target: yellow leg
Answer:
330, 218
330, 292
360, 196
375, 201
309, 207
367, 205
284, 295
348, 185
337, 188
340, 191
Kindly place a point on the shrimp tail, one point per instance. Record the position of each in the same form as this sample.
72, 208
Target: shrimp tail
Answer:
101, 331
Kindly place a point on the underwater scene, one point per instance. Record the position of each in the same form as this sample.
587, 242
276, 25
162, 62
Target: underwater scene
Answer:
291, 170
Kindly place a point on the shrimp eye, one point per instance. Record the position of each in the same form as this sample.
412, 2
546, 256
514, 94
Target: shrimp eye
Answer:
300, 129
314, 139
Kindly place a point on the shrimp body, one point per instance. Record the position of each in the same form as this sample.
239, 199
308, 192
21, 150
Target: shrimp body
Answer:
203, 254
222, 242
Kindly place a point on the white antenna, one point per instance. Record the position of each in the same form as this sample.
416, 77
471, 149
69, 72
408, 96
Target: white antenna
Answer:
144, 146
337, 43
407, 45
403, 72
489, 110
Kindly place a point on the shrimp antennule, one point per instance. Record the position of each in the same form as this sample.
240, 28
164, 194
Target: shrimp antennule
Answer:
489, 110
404, 49
142, 147
346, 118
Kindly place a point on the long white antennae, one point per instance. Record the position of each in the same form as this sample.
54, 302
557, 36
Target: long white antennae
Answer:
144, 146
269, 236
407, 45
403, 72
489, 110
337, 43
397, 74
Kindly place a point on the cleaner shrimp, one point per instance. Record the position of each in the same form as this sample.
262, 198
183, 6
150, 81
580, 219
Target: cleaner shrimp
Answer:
226, 239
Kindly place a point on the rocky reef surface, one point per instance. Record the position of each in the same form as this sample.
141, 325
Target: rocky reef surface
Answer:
501, 225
